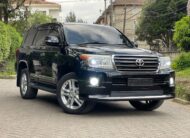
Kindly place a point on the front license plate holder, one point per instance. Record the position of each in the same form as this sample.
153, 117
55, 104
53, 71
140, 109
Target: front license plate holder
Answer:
140, 81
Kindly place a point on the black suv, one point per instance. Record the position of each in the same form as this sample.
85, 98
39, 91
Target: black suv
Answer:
83, 64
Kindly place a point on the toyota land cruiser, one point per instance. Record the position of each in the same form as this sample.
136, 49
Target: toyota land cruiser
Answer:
83, 64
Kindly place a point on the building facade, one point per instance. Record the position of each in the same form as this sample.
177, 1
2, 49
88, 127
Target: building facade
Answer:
45, 7
125, 14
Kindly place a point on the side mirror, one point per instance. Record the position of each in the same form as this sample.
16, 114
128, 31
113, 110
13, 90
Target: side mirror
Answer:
135, 44
52, 40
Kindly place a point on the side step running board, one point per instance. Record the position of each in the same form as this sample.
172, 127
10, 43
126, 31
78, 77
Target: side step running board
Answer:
43, 87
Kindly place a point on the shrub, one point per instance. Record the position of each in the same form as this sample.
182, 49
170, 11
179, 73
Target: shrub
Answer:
10, 40
4, 42
15, 40
182, 92
182, 33
181, 62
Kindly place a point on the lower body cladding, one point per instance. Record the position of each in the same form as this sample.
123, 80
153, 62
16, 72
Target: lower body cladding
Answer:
114, 86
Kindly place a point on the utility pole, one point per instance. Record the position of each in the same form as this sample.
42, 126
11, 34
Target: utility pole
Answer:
111, 21
105, 14
135, 25
124, 20
105, 4
134, 7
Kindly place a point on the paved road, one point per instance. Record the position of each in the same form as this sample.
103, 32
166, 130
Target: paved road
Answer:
43, 117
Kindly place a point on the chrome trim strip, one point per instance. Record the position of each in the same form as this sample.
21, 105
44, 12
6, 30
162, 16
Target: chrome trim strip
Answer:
113, 62
136, 55
107, 97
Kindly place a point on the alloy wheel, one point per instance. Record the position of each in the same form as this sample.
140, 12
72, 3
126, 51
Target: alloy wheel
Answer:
70, 94
24, 85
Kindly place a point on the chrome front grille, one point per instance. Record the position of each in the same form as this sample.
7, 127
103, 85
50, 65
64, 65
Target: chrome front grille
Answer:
133, 63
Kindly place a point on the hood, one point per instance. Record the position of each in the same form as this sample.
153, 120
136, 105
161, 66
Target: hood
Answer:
109, 50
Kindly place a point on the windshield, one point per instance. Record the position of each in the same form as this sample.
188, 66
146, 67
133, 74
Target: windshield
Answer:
94, 34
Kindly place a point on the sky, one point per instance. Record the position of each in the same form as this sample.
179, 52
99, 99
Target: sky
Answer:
88, 10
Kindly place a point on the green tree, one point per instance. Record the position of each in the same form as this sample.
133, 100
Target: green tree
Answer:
38, 18
157, 21
71, 17
7, 10
182, 33
20, 25
81, 21
32, 19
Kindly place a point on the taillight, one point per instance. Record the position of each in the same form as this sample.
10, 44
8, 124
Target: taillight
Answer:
17, 53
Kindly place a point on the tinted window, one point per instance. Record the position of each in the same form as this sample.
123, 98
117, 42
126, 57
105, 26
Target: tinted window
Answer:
29, 37
79, 34
40, 37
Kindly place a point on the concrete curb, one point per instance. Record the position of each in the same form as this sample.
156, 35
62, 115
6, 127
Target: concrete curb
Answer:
181, 101
8, 77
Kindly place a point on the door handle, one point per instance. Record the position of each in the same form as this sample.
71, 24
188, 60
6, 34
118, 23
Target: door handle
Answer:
42, 54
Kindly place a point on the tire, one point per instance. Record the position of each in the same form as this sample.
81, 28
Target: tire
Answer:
148, 105
26, 91
68, 96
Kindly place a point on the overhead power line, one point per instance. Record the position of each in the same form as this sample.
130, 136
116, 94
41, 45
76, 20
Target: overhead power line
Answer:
161, 9
156, 16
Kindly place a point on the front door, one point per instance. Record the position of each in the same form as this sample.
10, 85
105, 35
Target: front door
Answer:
38, 50
48, 59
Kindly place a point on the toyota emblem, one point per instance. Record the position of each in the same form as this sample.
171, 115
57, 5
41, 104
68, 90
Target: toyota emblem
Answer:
140, 62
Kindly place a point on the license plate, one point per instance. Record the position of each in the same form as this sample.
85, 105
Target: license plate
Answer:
140, 81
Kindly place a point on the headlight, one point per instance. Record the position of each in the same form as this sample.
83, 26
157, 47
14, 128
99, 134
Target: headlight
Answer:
165, 63
97, 61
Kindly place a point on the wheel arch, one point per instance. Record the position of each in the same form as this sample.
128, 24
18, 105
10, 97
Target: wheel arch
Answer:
22, 65
70, 67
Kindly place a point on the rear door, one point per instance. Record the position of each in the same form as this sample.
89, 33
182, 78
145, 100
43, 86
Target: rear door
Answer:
26, 50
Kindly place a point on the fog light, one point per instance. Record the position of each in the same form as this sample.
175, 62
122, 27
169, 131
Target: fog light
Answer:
93, 62
172, 82
94, 81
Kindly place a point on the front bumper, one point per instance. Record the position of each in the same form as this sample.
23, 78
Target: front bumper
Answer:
114, 86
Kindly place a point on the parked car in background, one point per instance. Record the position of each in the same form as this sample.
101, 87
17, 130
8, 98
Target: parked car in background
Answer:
83, 64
